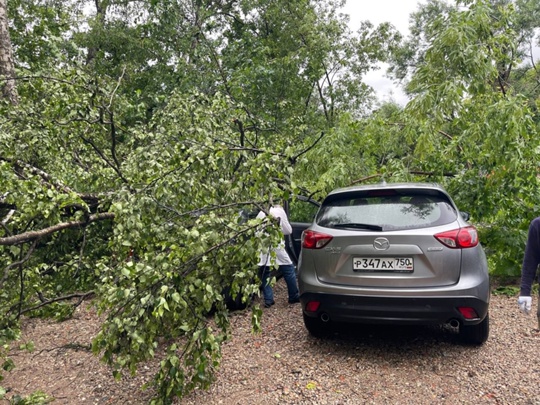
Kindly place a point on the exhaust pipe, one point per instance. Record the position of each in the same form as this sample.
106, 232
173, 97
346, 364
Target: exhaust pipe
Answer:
454, 323
325, 317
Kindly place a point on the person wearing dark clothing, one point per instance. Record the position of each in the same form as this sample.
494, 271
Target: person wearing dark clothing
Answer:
531, 260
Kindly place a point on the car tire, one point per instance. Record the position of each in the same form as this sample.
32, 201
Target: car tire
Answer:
316, 327
475, 334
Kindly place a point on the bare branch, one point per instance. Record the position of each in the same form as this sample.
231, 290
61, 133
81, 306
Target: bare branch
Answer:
6, 220
362, 179
242, 143
206, 208
33, 235
81, 252
80, 296
295, 158
37, 171
501, 84
448, 136
323, 102
117, 86
423, 173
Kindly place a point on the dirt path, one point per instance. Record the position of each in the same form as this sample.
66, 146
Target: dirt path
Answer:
284, 365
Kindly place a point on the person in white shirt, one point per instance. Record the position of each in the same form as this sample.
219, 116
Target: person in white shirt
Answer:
282, 259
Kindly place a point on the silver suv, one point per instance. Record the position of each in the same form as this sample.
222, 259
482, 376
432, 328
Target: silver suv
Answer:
398, 254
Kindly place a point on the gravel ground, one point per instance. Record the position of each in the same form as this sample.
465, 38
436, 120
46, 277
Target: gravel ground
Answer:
284, 365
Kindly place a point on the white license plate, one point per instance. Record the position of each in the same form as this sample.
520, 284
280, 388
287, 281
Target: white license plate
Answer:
383, 264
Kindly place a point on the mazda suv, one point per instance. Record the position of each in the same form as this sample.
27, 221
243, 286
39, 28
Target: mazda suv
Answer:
399, 254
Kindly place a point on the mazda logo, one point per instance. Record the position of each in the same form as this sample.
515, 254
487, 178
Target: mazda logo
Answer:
381, 244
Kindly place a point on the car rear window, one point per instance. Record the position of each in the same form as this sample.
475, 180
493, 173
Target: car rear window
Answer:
386, 212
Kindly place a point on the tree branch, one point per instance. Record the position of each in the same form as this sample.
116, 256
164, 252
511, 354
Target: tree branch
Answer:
113, 125
242, 143
102, 156
37, 171
295, 158
15, 264
448, 136
80, 296
417, 172
362, 179
33, 235
323, 102
6, 219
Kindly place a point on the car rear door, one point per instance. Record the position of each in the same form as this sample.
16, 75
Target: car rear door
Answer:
385, 239
301, 211
354, 258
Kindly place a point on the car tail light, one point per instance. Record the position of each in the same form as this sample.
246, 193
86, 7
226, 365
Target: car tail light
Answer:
315, 240
459, 238
468, 312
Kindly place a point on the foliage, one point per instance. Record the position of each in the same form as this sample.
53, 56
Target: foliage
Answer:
141, 133
36, 398
467, 126
509, 291
145, 128
184, 228
478, 129
512, 290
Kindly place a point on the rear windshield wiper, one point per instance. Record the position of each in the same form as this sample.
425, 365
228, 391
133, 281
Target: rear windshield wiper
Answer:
355, 225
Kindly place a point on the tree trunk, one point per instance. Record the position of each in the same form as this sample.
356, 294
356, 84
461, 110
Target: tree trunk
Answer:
7, 68
101, 12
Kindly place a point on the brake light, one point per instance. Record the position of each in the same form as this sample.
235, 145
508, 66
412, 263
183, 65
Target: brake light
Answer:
315, 240
459, 238
382, 193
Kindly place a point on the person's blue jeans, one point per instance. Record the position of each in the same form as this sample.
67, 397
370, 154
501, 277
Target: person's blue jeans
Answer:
289, 274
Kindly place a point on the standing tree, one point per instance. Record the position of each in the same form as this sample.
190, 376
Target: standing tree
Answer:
7, 68
472, 123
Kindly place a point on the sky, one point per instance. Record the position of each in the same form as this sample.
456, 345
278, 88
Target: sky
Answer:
397, 13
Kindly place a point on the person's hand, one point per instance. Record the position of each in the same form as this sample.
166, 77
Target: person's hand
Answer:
525, 304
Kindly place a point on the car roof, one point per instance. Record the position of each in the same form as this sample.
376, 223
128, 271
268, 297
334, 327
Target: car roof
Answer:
393, 186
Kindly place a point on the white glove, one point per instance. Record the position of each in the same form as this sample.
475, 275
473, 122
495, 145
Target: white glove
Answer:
525, 304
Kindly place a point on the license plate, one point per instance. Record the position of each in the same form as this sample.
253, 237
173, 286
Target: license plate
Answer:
403, 264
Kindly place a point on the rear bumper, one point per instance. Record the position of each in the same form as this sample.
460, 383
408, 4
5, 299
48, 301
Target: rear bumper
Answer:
393, 310
394, 304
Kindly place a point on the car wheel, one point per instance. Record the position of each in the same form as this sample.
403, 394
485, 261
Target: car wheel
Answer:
316, 327
475, 334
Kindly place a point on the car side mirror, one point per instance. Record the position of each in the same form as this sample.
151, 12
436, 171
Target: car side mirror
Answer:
465, 215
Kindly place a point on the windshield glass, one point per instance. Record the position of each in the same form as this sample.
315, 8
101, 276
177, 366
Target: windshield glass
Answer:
393, 212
